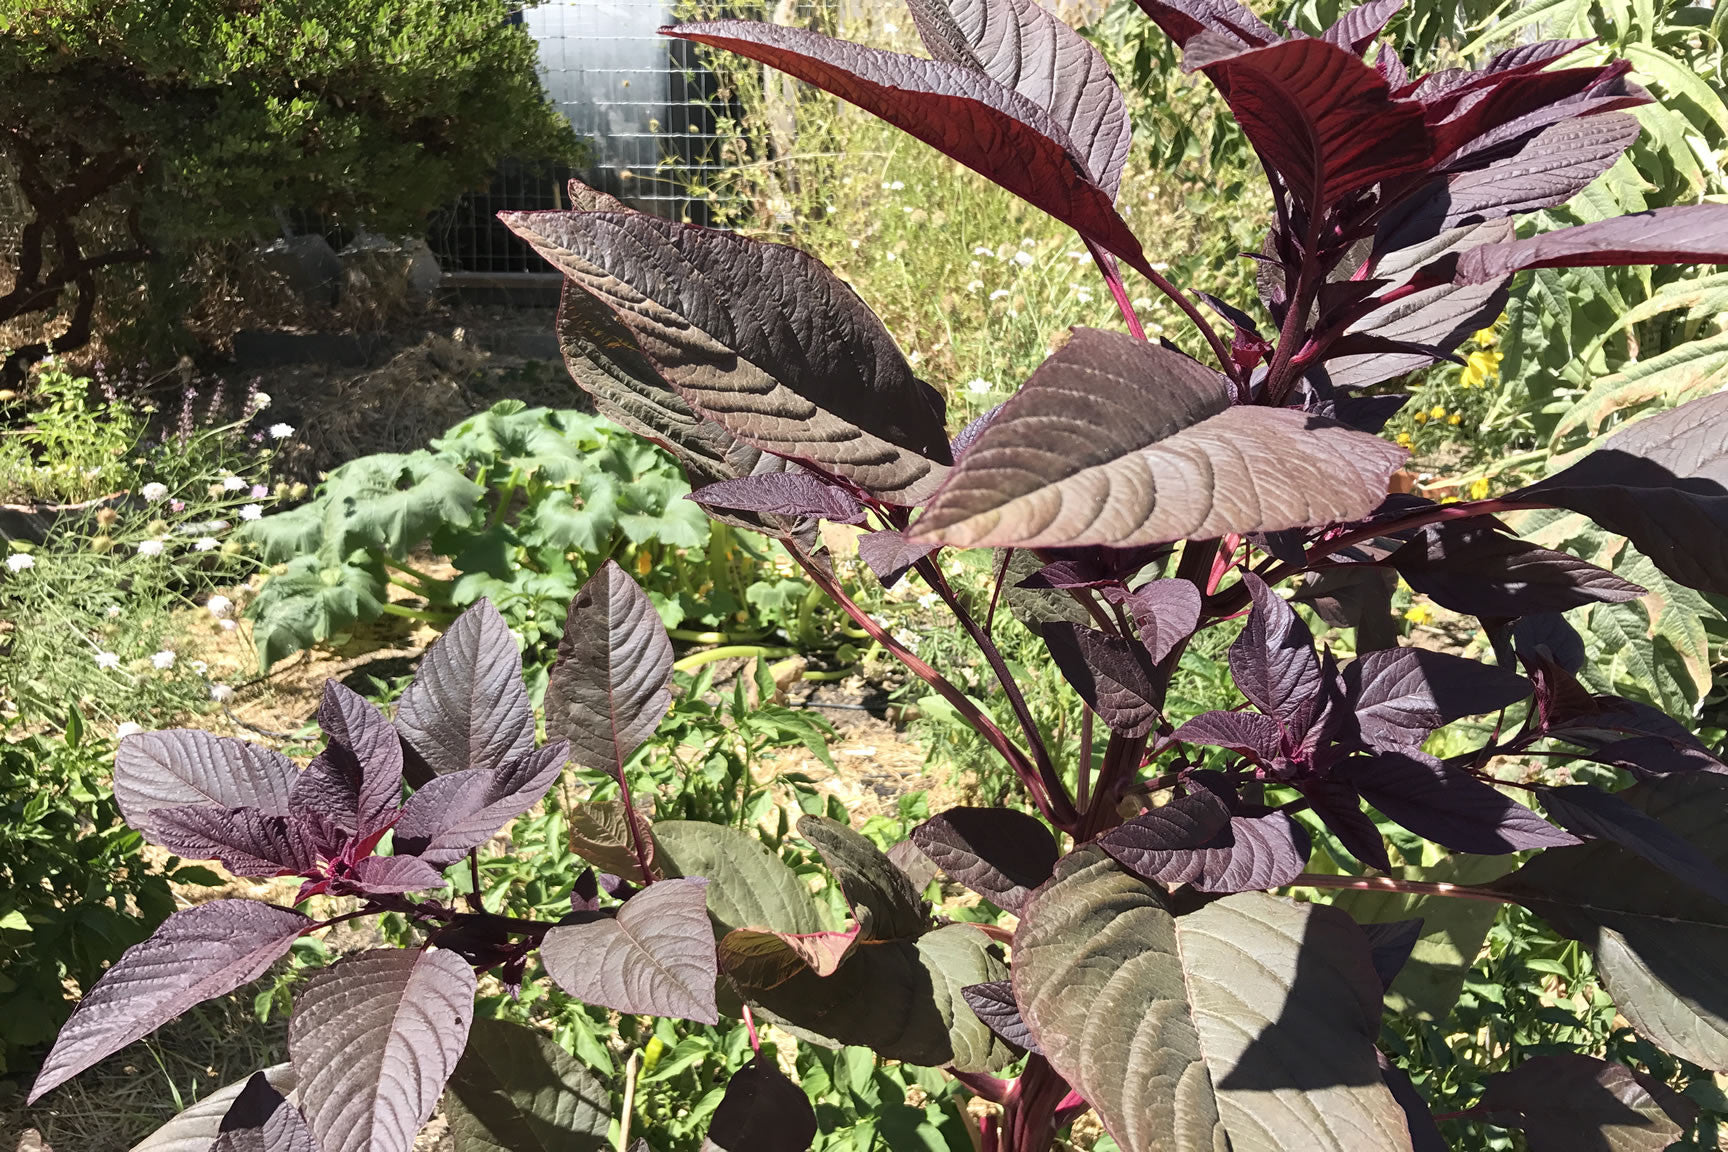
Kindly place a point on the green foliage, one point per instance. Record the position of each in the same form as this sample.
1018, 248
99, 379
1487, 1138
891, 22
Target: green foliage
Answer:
75, 890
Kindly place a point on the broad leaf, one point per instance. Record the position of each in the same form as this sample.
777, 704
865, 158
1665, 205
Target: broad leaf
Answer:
1021, 46
1596, 814
1689, 234
610, 685
994, 1004
794, 494
1400, 695
516, 1090
1475, 569
1249, 733
1110, 675
357, 780
247, 841
260, 1120
600, 834
1182, 20
464, 809
958, 957
186, 766
1661, 483
762, 1111
1656, 943
1165, 612
760, 338
196, 1128
748, 886
373, 1038
1273, 660
890, 553
467, 707
880, 894
1448, 805
655, 958
1549, 168
1190, 1032
999, 853
1566, 1101
1195, 840
1118, 442
1390, 946
992, 129
198, 953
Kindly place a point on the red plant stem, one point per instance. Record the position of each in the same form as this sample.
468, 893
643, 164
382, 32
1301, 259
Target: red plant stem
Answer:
1391, 884
638, 838
996, 590
1053, 786
1436, 515
1113, 277
1029, 1112
474, 902
750, 1029
980, 723
987, 1133
983, 1086
1083, 785
1221, 562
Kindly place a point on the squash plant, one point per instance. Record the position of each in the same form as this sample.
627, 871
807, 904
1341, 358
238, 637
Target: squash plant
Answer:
1153, 976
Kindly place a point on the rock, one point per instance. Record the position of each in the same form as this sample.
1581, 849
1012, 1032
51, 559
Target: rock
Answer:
309, 266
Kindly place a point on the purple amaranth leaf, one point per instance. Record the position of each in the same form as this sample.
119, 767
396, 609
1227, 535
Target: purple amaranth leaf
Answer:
655, 958
1492, 109
391, 875
762, 1111
1182, 20
999, 853
891, 554
1117, 442
247, 842
463, 810
966, 115
1614, 730
1358, 28
1274, 663
600, 834
516, 1089
1548, 635
373, 1038
1357, 597
1195, 840
1111, 675
757, 957
1688, 234
1094, 567
357, 780
185, 766
783, 494
1424, 1134
1340, 809
1660, 482
1603, 815
913, 861
1165, 612
968, 435
261, 1120
1249, 733
994, 1004
467, 708
808, 374
1391, 943
1025, 48
1400, 695
198, 953
1474, 569
1565, 1101
610, 685
1449, 806
869, 881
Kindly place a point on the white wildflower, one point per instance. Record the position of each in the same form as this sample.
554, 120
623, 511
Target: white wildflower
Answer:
892, 257
107, 660
891, 29
1084, 295
220, 692
281, 431
251, 512
149, 547
983, 251
1024, 259
200, 667
227, 625
19, 561
974, 285
1028, 242
260, 401
219, 606
113, 611
206, 543
127, 729
999, 294
153, 491
163, 660
233, 484
1141, 302
978, 385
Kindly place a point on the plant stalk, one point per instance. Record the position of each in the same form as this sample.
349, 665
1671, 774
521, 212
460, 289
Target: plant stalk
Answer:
1392, 884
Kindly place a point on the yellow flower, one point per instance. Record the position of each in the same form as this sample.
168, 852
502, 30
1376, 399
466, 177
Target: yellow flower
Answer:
1485, 363
644, 562
1421, 417
1455, 419
1486, 337
1438, 412
1479, 489
1418, 614
1403, 439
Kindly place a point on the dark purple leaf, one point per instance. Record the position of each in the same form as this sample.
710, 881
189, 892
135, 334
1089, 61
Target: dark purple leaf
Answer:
610, 685
1472, 568
198, 953
655, 958
373, 1038
1424, 1135
1165, 612
1340, 809
994, 1004
463, 810
755, 957
1661, 483
993, 130
1249, 733
1688, 234
1548, 634
1273, 660
1603, 815
1117, 442
1390, 943
260, 1120
1194, 840
968, 435
357, 780
1551, 166
1615, 730
185, 766
889, 554
1357, 28
1400, 695
999, 853
1025, 48
1108, 673
1182, 20
1449, 806
247, 842
784, 494
760, 338
1566, 1101
878, 892
395, 874
1358, 597
1319, 117
1535, 55
516, 1090
762, 1111
910, 859
600, 834
467, 707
